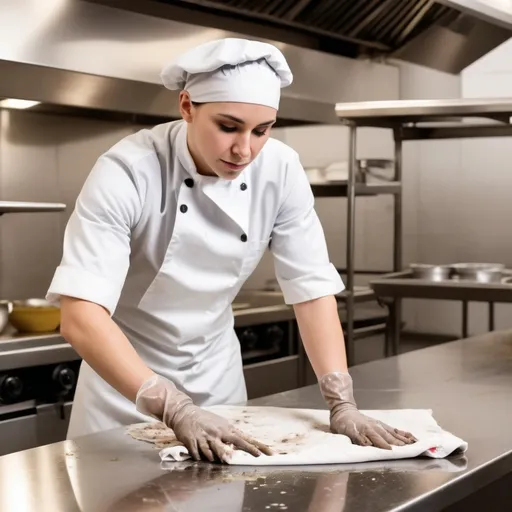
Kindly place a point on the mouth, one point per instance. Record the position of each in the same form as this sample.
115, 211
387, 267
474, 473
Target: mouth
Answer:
234, 167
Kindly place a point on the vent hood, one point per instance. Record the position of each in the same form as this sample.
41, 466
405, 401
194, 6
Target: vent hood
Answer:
447, 35
103, 57
87, 59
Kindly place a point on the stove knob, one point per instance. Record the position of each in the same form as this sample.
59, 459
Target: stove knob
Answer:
249, 339
64, 377
274, 336
11, 389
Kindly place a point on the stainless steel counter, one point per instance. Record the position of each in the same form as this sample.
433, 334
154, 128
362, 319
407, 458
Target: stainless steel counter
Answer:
467, 384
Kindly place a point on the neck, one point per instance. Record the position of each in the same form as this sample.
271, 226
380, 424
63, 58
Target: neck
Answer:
201, 168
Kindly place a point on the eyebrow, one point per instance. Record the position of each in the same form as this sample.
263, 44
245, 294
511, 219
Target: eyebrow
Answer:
241, 121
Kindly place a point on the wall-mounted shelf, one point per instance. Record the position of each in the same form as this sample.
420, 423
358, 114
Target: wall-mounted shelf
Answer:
29, 207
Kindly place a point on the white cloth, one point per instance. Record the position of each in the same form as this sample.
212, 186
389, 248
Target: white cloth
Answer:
308, 440
169, 276
230, 70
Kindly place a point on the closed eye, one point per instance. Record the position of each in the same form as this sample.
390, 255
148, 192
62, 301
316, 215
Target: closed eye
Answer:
231, 129
227, 129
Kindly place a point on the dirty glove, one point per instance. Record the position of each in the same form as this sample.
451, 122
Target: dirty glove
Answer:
202, 432
337, 390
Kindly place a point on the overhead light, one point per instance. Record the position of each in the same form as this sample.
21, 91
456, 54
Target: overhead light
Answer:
19, 104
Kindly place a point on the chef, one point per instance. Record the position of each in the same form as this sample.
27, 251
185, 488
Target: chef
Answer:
168, 226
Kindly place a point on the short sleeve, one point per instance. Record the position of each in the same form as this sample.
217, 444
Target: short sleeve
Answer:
96, 249
303, 269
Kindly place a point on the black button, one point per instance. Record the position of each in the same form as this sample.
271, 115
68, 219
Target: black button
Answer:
189, 182
183, 208
243, 238
243, 186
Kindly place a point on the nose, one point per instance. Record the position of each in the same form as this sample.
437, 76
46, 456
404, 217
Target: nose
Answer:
242, 146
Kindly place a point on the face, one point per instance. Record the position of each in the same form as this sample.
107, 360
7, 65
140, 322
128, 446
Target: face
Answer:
223, 138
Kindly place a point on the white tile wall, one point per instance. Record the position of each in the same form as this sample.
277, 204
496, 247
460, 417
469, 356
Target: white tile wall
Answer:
487, 180
463, 189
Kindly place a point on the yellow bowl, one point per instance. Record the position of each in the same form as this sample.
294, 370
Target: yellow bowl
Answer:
34, 315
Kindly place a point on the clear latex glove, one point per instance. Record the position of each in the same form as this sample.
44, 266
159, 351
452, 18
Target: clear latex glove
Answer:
202, 432
337, 390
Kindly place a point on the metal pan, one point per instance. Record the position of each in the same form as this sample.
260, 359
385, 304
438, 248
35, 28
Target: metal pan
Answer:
479, 272
430, 272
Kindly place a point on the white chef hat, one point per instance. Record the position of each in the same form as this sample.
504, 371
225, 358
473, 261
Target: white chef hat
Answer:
230, 70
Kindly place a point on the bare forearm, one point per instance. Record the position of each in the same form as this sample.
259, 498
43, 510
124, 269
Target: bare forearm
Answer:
322, 335
102, 344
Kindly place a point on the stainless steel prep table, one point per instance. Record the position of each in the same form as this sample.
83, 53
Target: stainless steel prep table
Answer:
401, 285
467, 384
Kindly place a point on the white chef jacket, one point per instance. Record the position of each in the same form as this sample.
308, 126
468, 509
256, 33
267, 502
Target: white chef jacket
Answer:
166, 250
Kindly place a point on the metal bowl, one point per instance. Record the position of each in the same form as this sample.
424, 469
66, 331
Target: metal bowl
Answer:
34, 316
5, 309
430, 272
479, 272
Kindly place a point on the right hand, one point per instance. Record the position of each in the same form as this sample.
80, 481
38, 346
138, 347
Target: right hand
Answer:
206, 433
202, 432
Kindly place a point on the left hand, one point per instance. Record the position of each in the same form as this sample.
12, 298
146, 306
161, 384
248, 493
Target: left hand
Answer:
337, 389
366, 431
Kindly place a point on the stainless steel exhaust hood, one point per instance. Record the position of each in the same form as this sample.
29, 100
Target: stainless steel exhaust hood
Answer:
82, 58
103, 57
447, 35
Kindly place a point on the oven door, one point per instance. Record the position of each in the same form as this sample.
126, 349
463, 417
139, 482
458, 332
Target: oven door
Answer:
27, 425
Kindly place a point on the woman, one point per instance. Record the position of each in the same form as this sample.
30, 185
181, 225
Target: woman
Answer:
169, 224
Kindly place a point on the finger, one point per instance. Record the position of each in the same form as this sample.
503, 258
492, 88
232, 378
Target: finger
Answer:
211, 443
377, 440
220, 449
406, 437
205, 449
362, 440
239, 442
192, 449
264, 448
389, 436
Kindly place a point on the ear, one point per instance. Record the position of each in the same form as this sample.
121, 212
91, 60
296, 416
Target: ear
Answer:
186, 107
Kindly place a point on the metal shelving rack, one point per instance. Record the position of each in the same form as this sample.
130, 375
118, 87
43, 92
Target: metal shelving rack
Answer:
409, 120
352, 189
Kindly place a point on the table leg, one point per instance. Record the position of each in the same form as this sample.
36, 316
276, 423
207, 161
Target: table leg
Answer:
388, 336
464, 319
397, 327
393, 326
491, 316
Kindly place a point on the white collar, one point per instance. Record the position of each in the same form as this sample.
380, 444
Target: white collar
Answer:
188, 164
